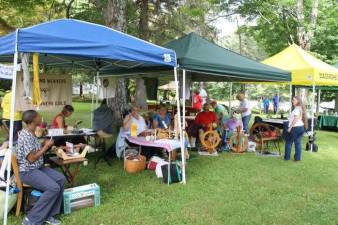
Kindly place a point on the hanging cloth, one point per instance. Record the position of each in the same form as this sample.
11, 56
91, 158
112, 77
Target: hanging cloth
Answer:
36, 82
26, 76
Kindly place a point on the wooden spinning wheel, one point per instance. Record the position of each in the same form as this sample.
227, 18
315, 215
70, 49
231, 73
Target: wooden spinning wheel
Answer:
210, 140
259, 128
238, 142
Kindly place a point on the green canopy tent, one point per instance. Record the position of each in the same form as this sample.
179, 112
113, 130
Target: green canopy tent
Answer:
205, 61
200, 57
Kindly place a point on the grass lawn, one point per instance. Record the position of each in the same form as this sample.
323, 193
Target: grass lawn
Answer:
229, 189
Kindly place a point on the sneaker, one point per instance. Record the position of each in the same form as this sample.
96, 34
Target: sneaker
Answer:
52, 221
26, 221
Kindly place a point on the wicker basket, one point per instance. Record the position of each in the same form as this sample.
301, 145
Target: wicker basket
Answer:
135, 166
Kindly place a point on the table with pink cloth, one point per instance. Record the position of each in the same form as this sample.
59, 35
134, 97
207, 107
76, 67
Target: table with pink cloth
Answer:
168, 144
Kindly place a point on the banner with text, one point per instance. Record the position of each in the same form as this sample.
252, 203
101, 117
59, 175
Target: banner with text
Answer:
56, 91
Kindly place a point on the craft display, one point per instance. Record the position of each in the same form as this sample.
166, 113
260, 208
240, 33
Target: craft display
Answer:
210, 140
73, 155
81, 197
238, 142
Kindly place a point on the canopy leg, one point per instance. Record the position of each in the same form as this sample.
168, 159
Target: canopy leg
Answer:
92, 105
313, 115
290, 100
230, 98
179, 125
11, 126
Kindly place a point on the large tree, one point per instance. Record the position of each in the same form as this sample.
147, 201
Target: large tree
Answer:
115, 16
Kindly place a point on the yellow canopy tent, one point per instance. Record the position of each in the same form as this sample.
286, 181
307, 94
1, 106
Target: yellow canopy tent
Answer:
305, 69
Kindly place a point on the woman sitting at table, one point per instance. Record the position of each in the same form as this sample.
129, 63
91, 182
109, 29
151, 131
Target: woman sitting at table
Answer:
134, 118
59, 120
162, 119
33, 172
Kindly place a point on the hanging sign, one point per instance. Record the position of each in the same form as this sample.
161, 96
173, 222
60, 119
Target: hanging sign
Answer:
56, 92
6, 71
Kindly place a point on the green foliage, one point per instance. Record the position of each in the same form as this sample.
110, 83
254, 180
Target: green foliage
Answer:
276, 25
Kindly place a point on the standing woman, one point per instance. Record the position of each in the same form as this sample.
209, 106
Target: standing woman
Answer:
296, 129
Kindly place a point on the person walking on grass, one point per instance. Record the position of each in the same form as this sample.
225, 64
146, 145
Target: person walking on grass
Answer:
275, 100
266, 104
296, 128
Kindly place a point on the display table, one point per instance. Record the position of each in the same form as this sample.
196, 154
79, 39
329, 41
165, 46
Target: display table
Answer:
280, 123
328, 122
65, 166
275, 122
168, 144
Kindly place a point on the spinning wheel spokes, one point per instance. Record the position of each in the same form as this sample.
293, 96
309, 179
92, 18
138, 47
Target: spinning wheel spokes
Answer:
210, 140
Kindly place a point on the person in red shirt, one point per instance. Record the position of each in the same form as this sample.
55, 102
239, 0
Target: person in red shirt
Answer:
197, 101
201, 124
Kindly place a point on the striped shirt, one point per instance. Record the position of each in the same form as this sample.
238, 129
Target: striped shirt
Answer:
27, 143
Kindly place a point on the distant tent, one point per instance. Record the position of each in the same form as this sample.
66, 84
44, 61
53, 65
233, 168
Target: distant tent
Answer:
305, 68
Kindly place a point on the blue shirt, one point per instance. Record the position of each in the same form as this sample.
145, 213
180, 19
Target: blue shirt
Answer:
275, 100
159, 120
27, 143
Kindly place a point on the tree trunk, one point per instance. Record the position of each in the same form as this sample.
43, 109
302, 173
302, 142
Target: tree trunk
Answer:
143, 22
115, 16
300, 28
81, 90
314, 15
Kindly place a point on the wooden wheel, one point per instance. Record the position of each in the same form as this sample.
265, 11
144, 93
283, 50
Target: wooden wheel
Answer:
238, 142
259, 128
210, 140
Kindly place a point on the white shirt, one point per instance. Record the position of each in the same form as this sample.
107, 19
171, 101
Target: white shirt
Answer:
296, 112
141, 124
245, 104
204, 95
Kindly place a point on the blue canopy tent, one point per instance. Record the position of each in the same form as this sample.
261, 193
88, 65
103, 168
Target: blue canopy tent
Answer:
68, 42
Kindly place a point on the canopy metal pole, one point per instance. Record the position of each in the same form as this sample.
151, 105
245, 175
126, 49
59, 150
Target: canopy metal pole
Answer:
179, 125
97, 88
230, 98
11, 126
92, 105
290, 100
318, 100
183, 103
313, 112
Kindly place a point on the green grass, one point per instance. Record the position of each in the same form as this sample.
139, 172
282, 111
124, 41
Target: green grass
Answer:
229, 189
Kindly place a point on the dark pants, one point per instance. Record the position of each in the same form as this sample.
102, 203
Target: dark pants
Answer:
246, 121
266, 109
51, 183
275, 108
295, 136
17, 127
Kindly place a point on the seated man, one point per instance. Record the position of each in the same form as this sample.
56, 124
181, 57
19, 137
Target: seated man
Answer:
32, 172
162, 119
103, 119
201, 124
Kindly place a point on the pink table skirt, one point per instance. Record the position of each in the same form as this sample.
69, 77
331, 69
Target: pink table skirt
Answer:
167, 144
